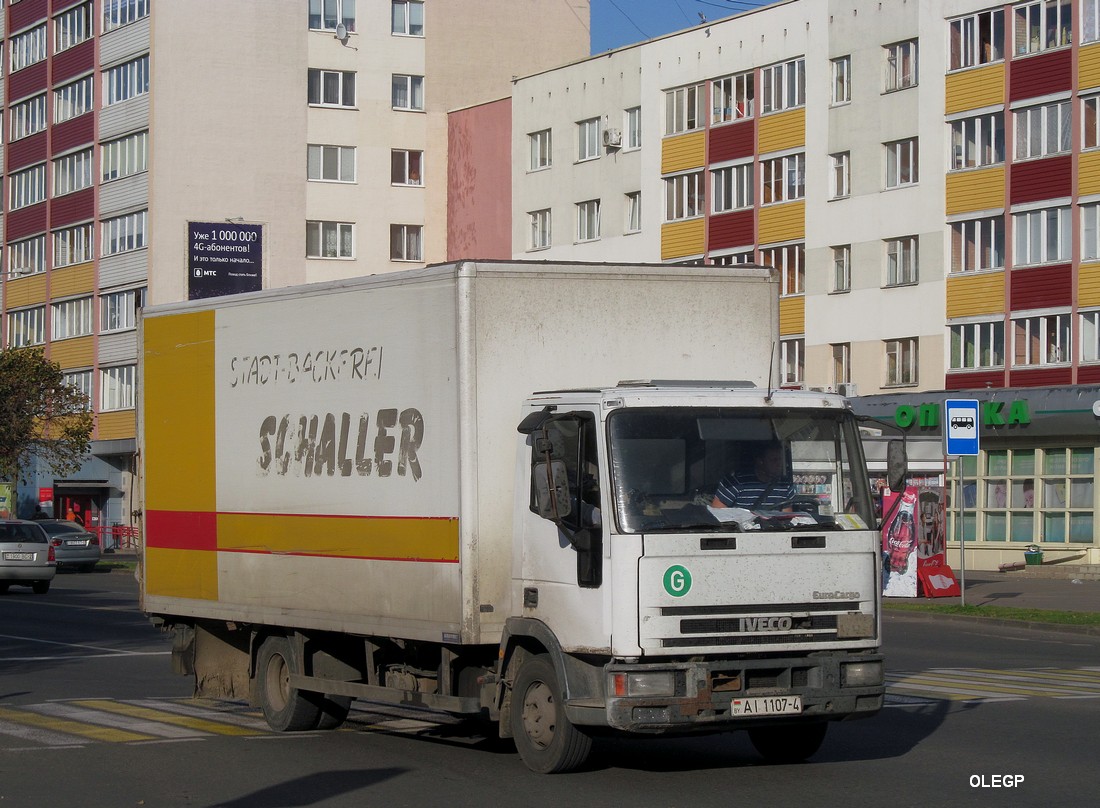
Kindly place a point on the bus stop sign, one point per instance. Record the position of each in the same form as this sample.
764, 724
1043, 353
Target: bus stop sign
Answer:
960, 427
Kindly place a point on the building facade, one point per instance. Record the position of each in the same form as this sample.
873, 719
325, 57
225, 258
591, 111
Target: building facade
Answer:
148, 153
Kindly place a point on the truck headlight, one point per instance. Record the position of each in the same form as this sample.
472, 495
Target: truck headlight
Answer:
643, 683
861, 674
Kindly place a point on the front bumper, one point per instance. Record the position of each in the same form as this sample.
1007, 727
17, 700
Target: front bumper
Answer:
704, 693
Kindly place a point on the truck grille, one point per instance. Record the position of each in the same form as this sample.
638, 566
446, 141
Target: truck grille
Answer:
758, 624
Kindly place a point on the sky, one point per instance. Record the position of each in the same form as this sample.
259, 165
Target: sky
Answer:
616, 23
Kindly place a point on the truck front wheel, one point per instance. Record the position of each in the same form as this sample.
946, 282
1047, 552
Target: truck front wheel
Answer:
790, 743
546, 740
286, 708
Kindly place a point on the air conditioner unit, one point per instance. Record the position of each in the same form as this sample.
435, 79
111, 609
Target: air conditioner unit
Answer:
848, 389
612, 138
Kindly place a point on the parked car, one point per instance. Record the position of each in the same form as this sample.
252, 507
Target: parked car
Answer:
73, 545
26, 556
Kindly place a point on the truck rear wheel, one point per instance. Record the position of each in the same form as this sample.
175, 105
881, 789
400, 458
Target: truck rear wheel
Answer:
286, 708
791, 743
546, 740
334, 710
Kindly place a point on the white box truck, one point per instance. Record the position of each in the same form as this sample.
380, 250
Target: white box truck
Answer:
465, 488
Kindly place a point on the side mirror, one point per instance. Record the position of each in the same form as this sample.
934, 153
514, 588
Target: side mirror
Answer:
552, 490
897, 465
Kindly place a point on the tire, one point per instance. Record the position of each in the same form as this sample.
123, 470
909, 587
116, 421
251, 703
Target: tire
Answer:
40, 587
286, 708
546, 740
334, 711
791, 743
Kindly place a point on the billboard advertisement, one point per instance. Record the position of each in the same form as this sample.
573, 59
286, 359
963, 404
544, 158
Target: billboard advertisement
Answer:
223, 258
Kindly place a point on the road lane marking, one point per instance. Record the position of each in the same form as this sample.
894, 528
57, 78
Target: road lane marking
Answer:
106, 651
36, 735
157, 729
91, 731
137, 711
202, 708
973, 684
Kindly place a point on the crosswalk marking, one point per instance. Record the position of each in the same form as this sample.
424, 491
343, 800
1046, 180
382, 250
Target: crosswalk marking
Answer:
990, 684
155, 729
216, 727
90, 731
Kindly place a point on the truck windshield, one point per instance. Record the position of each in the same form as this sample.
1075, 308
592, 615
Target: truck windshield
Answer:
717, 469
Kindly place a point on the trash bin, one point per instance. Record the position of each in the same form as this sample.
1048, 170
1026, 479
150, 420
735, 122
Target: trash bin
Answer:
1033, 556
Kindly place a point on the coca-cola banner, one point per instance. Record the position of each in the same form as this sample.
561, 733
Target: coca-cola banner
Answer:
899, 544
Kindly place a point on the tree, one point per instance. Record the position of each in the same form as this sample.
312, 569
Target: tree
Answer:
40, 415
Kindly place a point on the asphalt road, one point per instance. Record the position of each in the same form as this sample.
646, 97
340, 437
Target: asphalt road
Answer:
92, 715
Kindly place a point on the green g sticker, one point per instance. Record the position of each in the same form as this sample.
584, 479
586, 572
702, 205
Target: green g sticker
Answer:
677, 581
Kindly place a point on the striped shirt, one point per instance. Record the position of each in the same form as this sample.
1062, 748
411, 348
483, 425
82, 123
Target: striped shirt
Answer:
749, 491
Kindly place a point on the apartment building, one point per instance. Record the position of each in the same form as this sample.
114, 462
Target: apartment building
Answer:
925, 177
161, 150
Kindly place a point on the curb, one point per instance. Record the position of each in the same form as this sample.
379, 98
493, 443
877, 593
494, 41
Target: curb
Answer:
1031, 625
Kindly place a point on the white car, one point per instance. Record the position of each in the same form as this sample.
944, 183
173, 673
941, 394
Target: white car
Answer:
26, 556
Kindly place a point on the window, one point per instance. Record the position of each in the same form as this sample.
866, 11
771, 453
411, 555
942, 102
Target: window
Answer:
407, 18
783, 179
1090, 336
1042, 130
842, 363
325, 15
71, 318
842, 79
27, 257
978, 244
542, 154
27, 327
330, 240
72, 100
1041, 340
540, 229
839, 175
72, 27
784, 86
28, 48
901, 65
72, 172
332, 88
732, 98
408, 92
28, 117
634, 128
684, 196
790, 260
81, 381
118, 310
684, 109
978, 345
842, 268
125, 156
1090, 117
117, 13
124, 233
588, 139
792, 360
27, 187
1041, 25
1090, 232
116, 391
634, 212
406, 167
978, 141
330, 163
901, 361
901, 261
125, 81
406, 242
1090, 24
588, 220
1041, 236
901, 163
732, 187
73, 245
977, 39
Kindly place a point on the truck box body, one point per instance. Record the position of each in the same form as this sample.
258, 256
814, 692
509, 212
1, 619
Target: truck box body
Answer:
341, 456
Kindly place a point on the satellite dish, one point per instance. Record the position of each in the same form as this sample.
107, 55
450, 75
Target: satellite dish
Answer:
342, 32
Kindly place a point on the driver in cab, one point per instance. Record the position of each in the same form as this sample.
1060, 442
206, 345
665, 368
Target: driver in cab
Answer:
763, 487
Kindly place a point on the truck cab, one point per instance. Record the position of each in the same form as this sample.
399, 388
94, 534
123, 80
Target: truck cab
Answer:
663, 605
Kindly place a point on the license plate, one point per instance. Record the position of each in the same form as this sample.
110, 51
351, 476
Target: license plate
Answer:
19, 556
767, 705
76, 542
